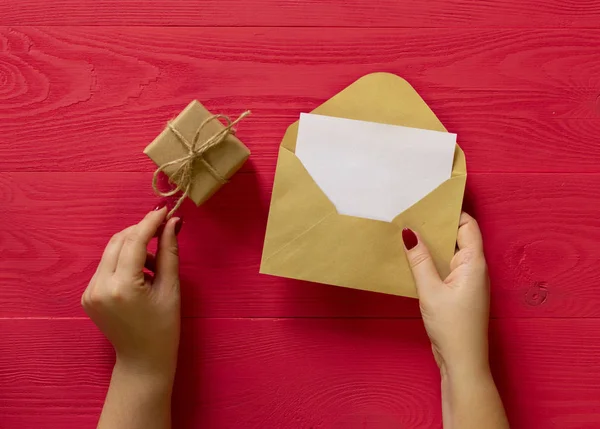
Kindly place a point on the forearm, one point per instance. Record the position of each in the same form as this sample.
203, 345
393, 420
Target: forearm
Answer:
137, 400
470, 400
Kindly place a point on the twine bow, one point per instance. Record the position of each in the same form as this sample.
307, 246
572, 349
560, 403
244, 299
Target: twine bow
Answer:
183, 176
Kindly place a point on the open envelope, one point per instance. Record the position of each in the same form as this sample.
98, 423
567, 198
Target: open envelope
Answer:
307, 239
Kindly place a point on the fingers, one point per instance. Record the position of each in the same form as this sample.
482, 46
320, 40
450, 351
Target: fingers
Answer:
133, 252
167, 255
108, 262
469, 235
469, 243
421, 264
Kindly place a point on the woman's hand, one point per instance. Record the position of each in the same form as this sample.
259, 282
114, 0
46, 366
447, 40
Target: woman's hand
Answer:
138, 312
456, 315
456, 309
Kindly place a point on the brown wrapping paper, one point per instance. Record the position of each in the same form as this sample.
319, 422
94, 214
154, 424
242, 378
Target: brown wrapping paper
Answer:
226, 158
307, 239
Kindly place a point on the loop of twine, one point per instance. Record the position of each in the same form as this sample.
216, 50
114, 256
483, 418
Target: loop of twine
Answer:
183, 177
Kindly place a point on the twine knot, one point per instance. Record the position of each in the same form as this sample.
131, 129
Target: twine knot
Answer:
184, 175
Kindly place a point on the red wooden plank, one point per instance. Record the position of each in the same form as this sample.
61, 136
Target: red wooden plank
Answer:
89, 99
78, 104
355, 13
244, 373
541, 233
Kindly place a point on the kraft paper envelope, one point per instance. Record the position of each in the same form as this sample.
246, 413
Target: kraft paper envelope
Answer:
307, 239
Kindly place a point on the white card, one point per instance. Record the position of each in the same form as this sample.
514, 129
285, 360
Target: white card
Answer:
372, 170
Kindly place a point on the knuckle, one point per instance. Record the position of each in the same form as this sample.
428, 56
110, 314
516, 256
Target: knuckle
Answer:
116, 293
103, 294
468, 219
132, 237
115, 238
173, 249
418, 259
85, 296
468, 255
472, 256
85, 299
95, 298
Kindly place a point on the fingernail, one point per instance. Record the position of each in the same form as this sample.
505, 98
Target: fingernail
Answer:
160, 205
178, 225
410, 239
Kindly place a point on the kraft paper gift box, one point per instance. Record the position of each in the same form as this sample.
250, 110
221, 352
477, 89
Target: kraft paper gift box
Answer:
307, 239
225, 158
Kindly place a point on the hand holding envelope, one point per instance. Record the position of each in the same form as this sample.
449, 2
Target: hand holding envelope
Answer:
345, 188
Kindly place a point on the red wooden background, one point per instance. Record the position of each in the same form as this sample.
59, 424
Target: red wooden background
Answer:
86, 84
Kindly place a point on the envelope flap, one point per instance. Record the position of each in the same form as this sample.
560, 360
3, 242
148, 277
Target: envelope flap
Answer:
384, 98
298, 204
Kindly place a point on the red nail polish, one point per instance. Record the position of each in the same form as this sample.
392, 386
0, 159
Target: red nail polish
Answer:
178, 226
160, 205
409, 238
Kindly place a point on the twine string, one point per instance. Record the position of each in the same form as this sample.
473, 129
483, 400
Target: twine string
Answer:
185, 173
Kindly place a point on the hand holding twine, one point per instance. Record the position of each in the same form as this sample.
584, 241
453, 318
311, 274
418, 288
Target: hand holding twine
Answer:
183, 176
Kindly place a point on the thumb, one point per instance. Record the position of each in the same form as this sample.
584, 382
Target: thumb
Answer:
167, 255
421, 264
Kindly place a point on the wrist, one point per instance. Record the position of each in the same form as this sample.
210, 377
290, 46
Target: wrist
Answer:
467, 362
143, 372
132, 393
461, 377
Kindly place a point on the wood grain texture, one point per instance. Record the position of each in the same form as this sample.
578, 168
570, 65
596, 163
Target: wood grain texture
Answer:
90, 99
298, 373
282, 13
85, 85
541, 233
